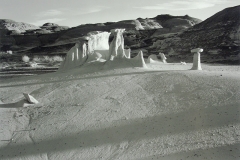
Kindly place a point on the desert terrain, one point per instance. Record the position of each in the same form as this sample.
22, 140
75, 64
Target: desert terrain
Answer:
165, 111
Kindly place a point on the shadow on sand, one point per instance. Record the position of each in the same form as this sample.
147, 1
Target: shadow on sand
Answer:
91, 77
130, 130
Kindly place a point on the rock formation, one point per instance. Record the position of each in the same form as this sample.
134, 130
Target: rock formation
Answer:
152, 59
98, 41
196, 59
128, 53
91, 48
117, 45
163, 58
138, 61
76, 56
30, 98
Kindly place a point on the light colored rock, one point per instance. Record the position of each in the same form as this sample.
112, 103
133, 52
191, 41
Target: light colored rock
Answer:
98, 41
196, 59
94, 57
117, 45
33, 64
138, 61
128, 53
152, 59
76, 56
163, 57
9, 52
196, 50
30, 98
183, 63
88, 49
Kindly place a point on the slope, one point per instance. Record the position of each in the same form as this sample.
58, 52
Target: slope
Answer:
92, 112
218, 36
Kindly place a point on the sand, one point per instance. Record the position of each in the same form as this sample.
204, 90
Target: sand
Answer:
164, 111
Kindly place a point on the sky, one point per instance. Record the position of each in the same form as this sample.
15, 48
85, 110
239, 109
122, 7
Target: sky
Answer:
76, 12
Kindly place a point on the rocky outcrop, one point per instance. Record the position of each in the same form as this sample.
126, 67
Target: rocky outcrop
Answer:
83, 54
218, 35
116, 48
49, 35
11, 25
87, 49
76, 56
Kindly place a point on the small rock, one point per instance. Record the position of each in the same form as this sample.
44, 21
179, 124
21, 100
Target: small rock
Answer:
30, 98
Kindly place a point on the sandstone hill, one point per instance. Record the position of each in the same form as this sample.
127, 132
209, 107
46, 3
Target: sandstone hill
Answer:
52, 38
218, 35
16, 26
173, 35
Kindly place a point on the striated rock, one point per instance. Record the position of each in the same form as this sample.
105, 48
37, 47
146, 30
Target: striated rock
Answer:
178, 23
51, 35
89, 48
98, 41
16, 26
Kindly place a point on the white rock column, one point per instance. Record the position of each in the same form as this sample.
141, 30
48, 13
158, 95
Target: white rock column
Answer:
128, 53
196, 59
163, 57
116, 48
76, 56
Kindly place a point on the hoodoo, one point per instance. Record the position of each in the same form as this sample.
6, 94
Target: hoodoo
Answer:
196, 59
163, 57
95, 48
85, 50
139, 60
117, 45
76, 56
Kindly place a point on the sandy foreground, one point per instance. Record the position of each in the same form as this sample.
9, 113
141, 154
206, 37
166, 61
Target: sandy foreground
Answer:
164, 112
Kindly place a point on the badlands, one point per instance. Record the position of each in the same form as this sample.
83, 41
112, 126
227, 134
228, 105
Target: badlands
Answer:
102, 104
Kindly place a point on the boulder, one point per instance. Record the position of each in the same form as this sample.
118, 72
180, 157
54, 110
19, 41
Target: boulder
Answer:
30, 98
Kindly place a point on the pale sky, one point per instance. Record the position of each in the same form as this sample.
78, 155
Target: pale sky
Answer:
76, 12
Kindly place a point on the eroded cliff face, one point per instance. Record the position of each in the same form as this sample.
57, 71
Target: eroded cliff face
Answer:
93, 49
172, 35
98, 41
218, 35
19, 27
23, 37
